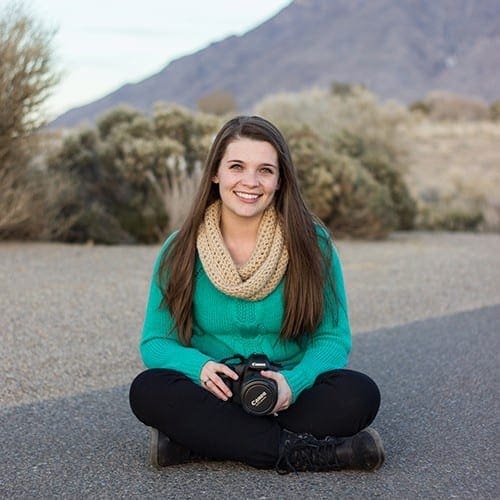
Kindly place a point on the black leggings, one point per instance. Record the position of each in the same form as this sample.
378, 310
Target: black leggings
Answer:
340, 403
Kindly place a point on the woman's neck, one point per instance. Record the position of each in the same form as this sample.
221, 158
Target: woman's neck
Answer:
240, 236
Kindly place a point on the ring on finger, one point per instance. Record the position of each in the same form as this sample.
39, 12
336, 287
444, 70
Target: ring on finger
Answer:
206, 381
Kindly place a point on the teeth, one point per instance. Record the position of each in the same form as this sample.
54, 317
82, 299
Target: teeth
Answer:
247, 196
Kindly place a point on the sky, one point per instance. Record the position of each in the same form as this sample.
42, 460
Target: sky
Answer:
102, 44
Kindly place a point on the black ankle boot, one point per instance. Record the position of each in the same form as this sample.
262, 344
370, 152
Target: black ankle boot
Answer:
166, 452
304, 452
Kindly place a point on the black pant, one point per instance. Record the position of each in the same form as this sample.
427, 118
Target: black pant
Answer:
340, 403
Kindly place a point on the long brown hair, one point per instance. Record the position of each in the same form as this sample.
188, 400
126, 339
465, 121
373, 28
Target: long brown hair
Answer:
306, 273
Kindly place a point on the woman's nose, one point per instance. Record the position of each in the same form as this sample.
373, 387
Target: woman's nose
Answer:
250, 178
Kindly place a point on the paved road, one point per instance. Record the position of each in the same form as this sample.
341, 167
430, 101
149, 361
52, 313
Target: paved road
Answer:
70, 315
439, 421
70, 318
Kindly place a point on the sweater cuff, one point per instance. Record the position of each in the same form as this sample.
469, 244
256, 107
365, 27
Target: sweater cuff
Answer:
189, 361
192, 366
297, 380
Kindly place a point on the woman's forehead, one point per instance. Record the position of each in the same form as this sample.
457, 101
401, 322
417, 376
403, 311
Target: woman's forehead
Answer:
245, 148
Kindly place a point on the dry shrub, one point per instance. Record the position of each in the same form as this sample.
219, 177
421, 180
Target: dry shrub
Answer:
339, 190
495, 111
135, 174
217, 102
26, 79
361, 144
454, 168
329, 114
180, 196
441, 105
20, 201
380, 161
461, 208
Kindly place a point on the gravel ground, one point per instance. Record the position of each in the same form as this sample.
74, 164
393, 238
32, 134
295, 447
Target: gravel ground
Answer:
438, 419
71, 319
72, 314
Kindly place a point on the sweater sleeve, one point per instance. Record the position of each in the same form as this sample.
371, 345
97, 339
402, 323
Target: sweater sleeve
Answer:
329, 347
159, 345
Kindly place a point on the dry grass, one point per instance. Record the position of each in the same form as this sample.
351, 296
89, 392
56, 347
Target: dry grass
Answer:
180, 197
18, 203
459, 163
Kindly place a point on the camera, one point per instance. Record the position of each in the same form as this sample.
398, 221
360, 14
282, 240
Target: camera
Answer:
255, 393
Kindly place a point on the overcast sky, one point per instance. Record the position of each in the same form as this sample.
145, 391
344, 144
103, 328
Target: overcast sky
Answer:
102, 44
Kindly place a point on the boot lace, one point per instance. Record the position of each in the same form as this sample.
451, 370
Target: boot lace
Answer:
306, 453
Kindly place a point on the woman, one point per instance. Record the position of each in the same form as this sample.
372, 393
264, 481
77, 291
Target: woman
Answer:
252, 271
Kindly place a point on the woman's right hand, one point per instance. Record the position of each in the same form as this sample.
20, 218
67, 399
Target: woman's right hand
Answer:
211, 381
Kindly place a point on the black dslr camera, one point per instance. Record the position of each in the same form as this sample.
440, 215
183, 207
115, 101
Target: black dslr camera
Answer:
255, 393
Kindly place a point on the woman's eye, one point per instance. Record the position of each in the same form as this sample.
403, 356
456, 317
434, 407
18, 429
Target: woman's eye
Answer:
235, 166
267, 170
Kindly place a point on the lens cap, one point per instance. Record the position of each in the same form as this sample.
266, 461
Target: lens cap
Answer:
259, 397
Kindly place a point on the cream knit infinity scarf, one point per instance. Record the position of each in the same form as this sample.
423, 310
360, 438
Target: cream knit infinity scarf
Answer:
261, 274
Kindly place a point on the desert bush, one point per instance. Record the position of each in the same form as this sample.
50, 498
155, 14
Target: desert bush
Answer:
121, 115
181, 192
218, 102
376, 158
328, 114
21, 202
344, 89
449, 218
461, 209
128, 170
193, 130
27, 76
352, 131
339, 190
495, 111
421, 107
441, 105
82, 205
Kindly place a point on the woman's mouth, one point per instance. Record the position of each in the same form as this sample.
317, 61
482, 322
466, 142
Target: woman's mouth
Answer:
247, 197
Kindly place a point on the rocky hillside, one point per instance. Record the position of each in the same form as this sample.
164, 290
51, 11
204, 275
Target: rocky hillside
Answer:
398, 48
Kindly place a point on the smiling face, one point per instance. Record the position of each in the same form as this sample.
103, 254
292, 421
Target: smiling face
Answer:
248, 177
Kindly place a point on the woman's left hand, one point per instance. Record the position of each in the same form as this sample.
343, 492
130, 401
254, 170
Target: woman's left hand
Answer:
284, 391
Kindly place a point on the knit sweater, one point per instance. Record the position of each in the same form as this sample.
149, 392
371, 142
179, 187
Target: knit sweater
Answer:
225, 325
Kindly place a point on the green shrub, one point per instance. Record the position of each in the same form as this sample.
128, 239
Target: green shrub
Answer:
218, 102
83, 205
28, 75
362, 146
193, 131
120, 115
441, 105
340, 191
125, 172
420, 107
344, 89
459, 210
376, 158
451, 219
495, 110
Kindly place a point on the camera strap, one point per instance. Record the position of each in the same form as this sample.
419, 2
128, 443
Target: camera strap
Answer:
236, 357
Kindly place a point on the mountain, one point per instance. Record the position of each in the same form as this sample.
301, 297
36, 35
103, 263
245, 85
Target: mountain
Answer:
399, 49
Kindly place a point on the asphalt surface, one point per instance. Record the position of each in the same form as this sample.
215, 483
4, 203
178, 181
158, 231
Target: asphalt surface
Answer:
438, 376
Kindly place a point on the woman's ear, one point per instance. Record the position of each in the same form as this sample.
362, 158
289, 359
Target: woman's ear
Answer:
215, 179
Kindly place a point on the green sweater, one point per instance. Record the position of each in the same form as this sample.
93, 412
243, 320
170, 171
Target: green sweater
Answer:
224, 326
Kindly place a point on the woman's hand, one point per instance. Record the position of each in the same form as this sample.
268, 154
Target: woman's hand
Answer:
284, 391
211, 381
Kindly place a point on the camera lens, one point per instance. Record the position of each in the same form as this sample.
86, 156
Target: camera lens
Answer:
259, 396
